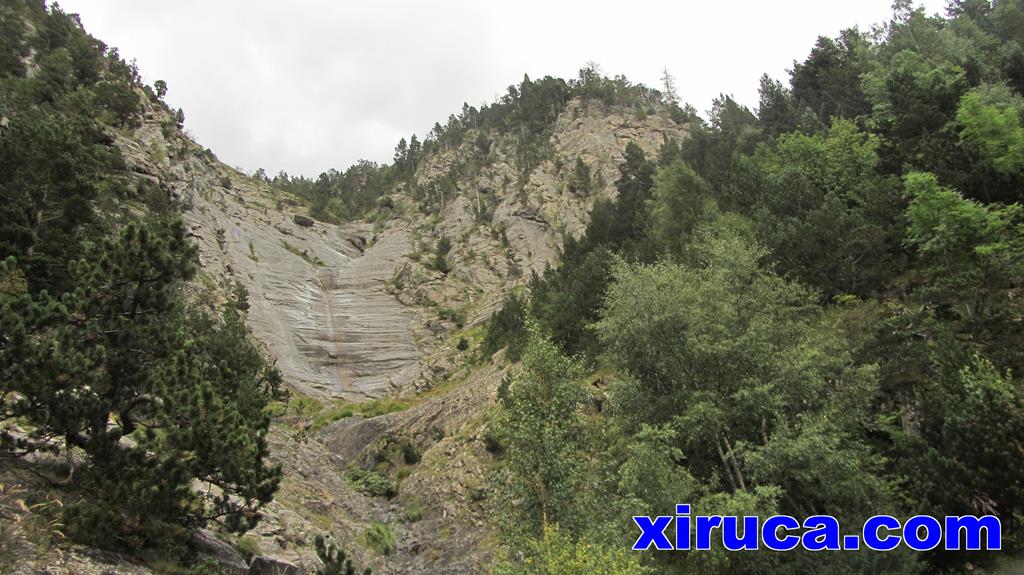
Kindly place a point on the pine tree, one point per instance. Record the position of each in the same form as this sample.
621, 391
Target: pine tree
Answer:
668, 83
155, 396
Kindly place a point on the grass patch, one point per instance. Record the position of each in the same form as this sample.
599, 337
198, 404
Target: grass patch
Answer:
411, 454
249, 547
458, 317
297, 405
312, 260
380, 538
343, 409
413, 510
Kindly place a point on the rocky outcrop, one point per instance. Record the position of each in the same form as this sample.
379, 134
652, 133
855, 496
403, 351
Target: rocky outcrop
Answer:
358, 311
316, 292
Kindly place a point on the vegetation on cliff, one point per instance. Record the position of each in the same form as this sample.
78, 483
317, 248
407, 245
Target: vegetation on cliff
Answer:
810, 309
101, 358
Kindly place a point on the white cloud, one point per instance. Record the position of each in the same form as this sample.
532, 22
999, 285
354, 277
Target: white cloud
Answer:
304, 86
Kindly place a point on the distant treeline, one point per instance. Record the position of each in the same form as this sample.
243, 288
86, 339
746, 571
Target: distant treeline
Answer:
525, 115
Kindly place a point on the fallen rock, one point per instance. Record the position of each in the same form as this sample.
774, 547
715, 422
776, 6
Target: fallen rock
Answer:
266, 565
229, 559
303, 221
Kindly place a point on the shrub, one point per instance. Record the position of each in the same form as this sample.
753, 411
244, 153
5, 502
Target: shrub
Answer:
455, 316
444, 245
411, 454
413, 510
249, 547
372, 483
335, 560
380, 538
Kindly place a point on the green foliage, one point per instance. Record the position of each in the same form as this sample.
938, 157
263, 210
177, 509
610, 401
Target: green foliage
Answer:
991, 120
337, 410
542, 433
458, 317
335, 560
680, 200
962, 457
249, 547
72, 364
567, 299
380, 538
734, 367
411, 454
824, 211
371, 483
101, 357
679, 330
913, 100
507, 327
444, 246
557, 553
834, 319
970, 258
49, 165
828, 82
581, 182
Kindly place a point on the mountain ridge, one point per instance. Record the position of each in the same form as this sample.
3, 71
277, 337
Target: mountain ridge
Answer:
327, 301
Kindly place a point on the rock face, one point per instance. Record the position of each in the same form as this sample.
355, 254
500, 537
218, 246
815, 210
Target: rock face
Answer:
357, 311
316, 293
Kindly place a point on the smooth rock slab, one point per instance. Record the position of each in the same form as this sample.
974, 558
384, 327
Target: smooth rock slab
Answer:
316, 294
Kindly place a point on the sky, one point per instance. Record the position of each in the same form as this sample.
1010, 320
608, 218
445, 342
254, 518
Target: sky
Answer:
304, 86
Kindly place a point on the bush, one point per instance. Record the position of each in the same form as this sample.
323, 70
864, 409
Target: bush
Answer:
413, 510
444, 245
335, 560
249, 547
507, 328
457, 317
380, 538
492, 442
372, 483
411, 454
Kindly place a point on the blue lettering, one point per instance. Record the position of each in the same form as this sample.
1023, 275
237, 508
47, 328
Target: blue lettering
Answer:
823, 533
770, 533
652, 532
731, 538
705, 525
683, 527
932, 533
973, 526
871, 538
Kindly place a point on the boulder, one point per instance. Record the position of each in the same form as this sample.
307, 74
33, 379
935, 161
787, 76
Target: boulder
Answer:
267, 565
303, 221
229, 559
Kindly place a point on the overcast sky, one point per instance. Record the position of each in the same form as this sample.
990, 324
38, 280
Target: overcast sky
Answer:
304, 86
